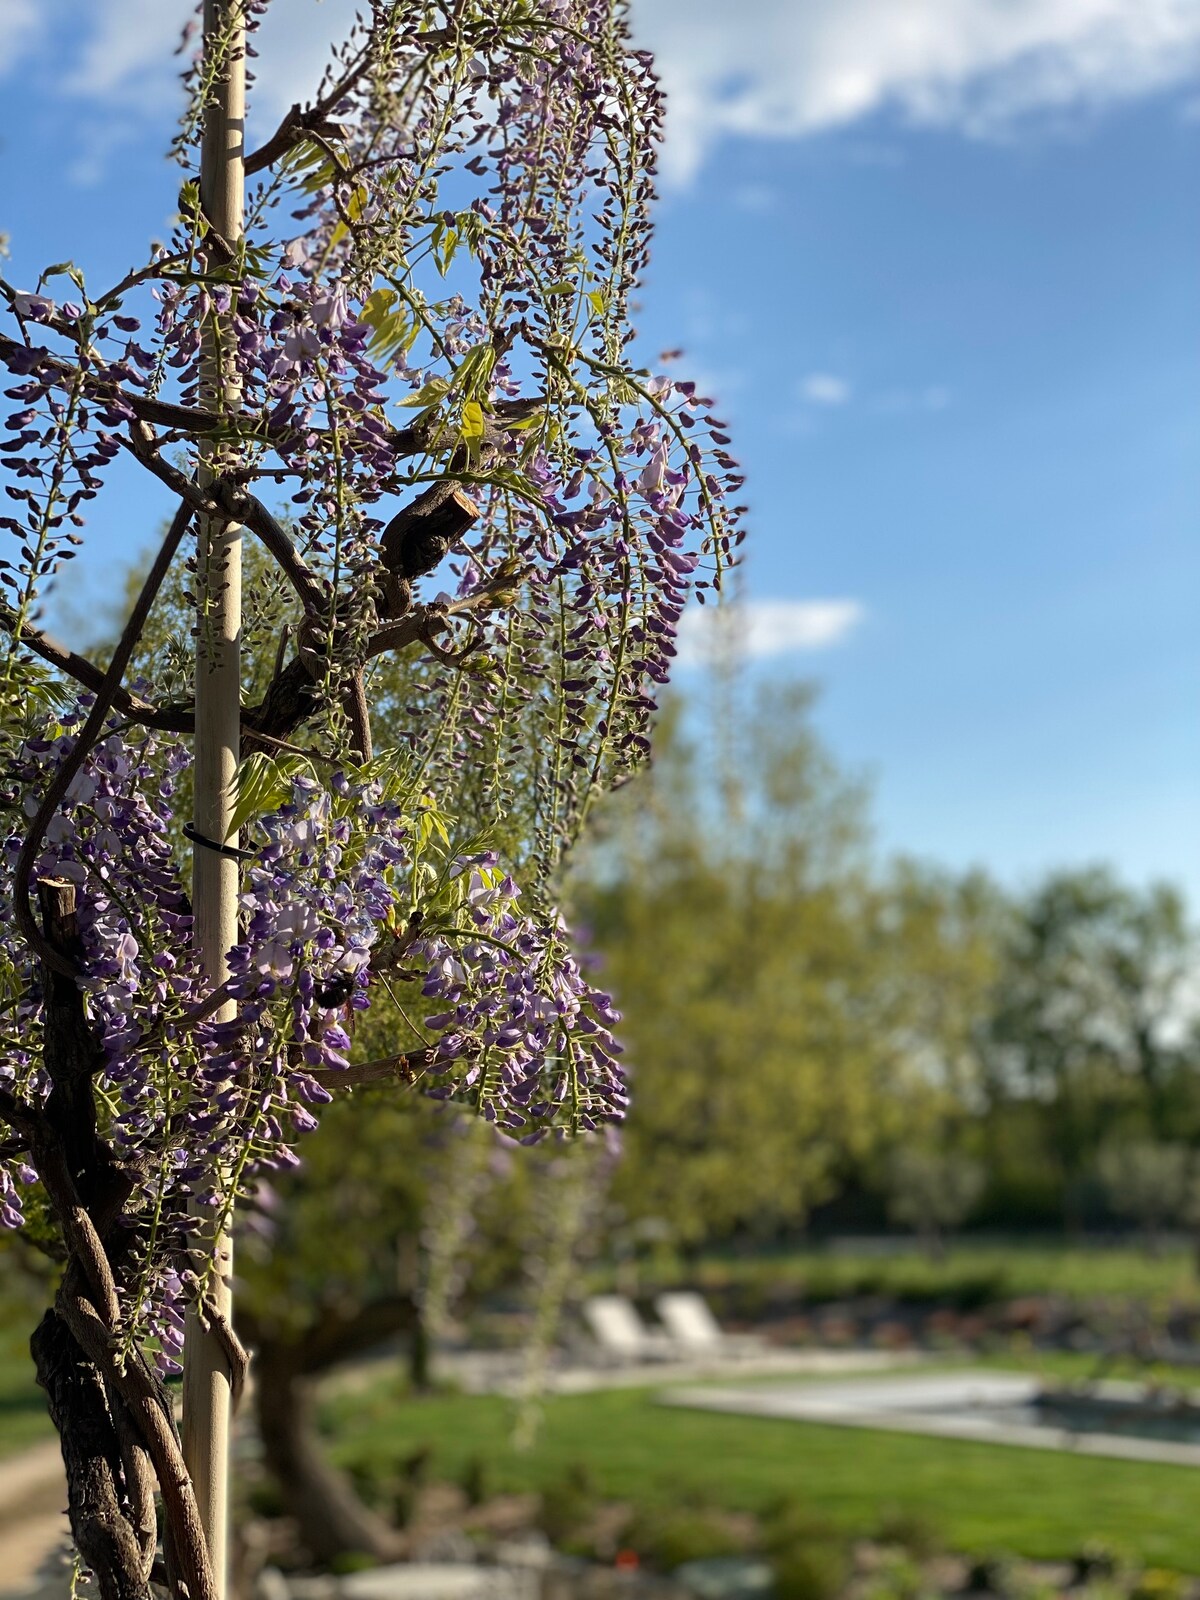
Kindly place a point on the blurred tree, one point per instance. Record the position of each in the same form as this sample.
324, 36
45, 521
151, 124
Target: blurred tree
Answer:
327, 1272
1093, 1017
787, 1013
1150, 1183
931, 1191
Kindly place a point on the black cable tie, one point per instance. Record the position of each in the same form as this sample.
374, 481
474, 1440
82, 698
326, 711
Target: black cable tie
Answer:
226, 850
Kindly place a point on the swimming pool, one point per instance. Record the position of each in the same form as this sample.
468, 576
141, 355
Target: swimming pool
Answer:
1130, 1421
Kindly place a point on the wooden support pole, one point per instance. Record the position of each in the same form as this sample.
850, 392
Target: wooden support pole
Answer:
207, 1389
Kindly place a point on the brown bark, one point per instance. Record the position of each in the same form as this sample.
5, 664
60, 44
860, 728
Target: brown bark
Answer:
333, 1521
112, 1414
418, 539
99, 1498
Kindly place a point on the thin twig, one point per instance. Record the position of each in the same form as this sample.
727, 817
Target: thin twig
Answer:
407, 1068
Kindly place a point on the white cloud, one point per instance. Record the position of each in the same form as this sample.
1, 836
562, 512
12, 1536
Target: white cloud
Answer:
121, 53
756, 629
824, 389
128, 53
933, 397
770, 68
787, 68
19, 21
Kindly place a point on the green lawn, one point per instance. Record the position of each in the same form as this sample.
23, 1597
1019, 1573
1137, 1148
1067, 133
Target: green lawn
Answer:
23, 1416
980, 1497
973, 1273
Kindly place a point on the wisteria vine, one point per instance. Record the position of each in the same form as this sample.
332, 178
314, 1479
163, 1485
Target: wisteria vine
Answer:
483, 519
190, 1101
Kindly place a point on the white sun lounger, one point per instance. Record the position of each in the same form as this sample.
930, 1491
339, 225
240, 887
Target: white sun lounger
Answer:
620, 1332
695, 1332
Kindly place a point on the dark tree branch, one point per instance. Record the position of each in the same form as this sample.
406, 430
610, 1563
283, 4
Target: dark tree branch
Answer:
420, 622
138, 1473
106, 1403
151, 1416
312, 591
301, 121
404, 1069
141, 444
359, 714
88, 673
236, 1358
75, 1396
418, 539
189, 421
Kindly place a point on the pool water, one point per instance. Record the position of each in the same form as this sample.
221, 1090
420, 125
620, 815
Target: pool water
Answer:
1145, 1418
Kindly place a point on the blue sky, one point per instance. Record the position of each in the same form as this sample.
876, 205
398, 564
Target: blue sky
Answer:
938, 260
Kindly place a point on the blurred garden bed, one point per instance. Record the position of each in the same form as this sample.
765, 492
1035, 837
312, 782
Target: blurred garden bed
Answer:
618, 1447
980, 1294
970, 1273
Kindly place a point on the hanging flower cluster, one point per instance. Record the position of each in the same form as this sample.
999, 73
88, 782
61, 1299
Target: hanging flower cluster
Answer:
517, 1001
331, 889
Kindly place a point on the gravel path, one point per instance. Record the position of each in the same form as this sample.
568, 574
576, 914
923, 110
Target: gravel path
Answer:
33, 1524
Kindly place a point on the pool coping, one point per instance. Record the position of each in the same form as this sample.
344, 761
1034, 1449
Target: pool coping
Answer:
879, 1404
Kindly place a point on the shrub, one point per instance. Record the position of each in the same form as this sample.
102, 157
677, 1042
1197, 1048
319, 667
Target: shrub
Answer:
898, 1578
814, 1571
1095, 1560
352, 1561
476, 1480
1157, 1583
912, 1531
567, 1504
668, 1537
993, 1574
808, 1554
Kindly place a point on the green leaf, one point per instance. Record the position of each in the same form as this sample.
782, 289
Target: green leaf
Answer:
189, 199
429, 394
310, 167
377, 306
394, 325
475, 370
262, 784
472, 424
521, 424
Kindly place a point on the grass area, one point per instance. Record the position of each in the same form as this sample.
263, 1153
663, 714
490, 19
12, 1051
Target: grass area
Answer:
972, 1273
23, 1416
980, 1497
1068, 1366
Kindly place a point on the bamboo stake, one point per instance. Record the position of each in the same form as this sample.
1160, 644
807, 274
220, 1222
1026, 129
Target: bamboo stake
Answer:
207, 1397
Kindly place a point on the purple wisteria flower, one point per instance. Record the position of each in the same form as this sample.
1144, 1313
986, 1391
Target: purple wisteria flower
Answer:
524, 1037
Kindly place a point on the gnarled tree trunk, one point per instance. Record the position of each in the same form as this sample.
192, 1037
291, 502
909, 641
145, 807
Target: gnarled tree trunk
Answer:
332, 1518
